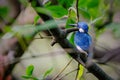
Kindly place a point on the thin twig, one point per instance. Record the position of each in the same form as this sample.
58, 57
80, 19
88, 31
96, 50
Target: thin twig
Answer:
67, 74
77, 10
54, 78
45, 37
77, 71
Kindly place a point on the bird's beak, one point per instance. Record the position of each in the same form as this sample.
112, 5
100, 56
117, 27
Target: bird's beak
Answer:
73, 25
81, 30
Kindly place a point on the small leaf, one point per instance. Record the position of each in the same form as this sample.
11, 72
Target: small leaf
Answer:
4, 10
33, 3
36, 19
43, 10
72, 12
57, 11
7, 29
82, 3
70, 37
88, 3
92, 3
80, 72
85, 13
24, 2
32, 29
47, 72
47, 4
29, 77
26, 77
29, 70
66, 3
71, 17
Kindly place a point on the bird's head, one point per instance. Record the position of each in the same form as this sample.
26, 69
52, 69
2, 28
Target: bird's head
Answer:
82, 26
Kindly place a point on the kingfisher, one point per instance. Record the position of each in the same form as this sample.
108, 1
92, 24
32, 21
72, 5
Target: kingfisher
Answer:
82, 39
83, 42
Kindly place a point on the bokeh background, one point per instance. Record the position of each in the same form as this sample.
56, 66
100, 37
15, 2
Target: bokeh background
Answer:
19, 48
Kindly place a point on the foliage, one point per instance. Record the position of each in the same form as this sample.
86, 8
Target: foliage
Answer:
55, 11
47, 73
29, 73
66, 3
4, 10
37, 17
80, 72
91, 9
24, 2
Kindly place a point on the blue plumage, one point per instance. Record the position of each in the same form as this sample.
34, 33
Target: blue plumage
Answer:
82, 39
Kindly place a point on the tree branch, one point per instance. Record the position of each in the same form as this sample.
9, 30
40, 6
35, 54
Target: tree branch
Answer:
77, 10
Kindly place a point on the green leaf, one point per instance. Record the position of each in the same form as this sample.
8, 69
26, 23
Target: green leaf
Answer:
57, 11
82, 3
29, 77
80, 72
71, 20
70, 37
28, 29
47, 73
94, 13
66, 3
33, 3
43, 10
26, 77
36, 19
49, 25
29, 70
47, 4
92, 3
91, 9
7, 29
71, 17
4, 10
85, 13
72, 12
24, 2
88, 3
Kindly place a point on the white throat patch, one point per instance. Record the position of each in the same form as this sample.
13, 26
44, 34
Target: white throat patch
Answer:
81, 30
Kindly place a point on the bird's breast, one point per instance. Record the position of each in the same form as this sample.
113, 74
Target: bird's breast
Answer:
82, 40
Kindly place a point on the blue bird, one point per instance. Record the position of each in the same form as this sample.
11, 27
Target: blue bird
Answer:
82, 39
83, 42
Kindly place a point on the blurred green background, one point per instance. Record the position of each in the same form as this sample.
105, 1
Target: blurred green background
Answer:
25, 37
